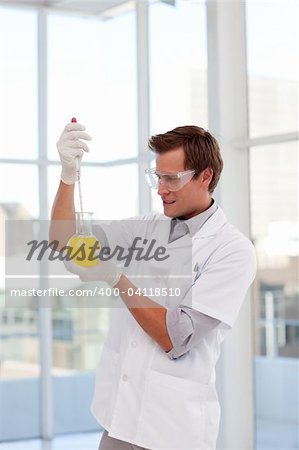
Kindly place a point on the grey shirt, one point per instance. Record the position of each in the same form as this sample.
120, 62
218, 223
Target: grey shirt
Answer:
186, 326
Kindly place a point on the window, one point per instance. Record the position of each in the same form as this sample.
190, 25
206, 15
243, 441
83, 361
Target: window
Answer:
18, 94
19, 337
272, 47
178, 65
178, 68
92, 76
274, 175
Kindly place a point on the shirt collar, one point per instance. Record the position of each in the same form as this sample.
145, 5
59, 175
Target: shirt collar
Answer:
195, 223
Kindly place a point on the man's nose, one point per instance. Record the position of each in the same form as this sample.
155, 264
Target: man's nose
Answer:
162, 189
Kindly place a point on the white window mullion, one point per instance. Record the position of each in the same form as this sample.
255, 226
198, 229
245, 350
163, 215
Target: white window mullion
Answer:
45, 314
142, 36
228, 121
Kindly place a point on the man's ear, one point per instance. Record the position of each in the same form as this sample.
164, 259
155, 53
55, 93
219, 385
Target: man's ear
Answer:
206, 176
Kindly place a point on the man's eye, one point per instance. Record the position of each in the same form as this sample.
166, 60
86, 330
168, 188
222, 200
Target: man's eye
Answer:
167, 178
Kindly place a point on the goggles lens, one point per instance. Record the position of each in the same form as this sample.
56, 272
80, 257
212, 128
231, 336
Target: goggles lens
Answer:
171, 181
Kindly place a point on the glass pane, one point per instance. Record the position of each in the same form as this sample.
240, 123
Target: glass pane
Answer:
19, 343
274, 207
92, 76
178, 65
18, 83
19, 330
272, 49
274, 195
78, 336
109, 192
19, 193
18, 327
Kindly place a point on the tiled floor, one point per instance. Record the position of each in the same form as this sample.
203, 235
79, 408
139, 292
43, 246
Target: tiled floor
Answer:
83, 441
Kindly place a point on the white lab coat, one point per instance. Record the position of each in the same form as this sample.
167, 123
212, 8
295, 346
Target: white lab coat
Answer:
142, 396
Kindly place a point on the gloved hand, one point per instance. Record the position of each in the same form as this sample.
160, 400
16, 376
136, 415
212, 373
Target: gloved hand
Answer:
106, 271
71, 147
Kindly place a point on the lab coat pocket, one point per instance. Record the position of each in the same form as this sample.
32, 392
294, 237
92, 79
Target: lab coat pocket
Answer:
105, 385
173, 411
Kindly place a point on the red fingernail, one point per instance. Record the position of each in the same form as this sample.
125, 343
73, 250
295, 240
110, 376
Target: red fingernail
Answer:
74, 119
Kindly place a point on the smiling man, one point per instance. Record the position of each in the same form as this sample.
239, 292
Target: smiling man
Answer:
155, 384
185, 193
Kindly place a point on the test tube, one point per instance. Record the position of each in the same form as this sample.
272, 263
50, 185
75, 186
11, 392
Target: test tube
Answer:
74, 120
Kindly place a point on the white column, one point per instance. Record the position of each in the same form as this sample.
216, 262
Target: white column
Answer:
45, 316
142, 38
228, 121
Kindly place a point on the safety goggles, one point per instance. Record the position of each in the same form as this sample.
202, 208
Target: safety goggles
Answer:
172, 181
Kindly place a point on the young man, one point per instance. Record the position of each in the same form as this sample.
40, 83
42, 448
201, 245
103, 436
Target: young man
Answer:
155, 385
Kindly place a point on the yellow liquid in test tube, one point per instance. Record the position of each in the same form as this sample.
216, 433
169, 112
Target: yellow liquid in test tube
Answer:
82, 243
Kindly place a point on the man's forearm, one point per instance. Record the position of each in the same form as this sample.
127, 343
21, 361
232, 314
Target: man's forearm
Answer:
150, 315
63, 224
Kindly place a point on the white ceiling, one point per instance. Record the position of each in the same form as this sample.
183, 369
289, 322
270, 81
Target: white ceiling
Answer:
84, 7
101, 8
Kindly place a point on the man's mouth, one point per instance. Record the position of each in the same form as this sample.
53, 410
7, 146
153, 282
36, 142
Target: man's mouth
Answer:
168, 202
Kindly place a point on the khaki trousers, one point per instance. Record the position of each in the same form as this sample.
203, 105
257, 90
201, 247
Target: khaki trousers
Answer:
110, 443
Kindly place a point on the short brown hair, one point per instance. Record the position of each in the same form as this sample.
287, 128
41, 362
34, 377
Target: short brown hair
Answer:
201, 149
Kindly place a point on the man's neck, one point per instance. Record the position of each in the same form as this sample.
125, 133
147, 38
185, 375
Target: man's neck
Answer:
196, 213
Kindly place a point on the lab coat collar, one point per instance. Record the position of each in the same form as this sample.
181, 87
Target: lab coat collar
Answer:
209, 229
212, 225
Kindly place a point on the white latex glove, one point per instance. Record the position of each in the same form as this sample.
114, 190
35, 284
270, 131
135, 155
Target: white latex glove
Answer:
70, 148
106, 271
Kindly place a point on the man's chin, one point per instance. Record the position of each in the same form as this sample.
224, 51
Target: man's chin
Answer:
170, 210
167, 214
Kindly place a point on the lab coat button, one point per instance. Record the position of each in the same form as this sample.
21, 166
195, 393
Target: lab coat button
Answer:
125, 377
134, 344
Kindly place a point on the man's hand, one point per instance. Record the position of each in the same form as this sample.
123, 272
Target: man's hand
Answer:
71, 147
106, 271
